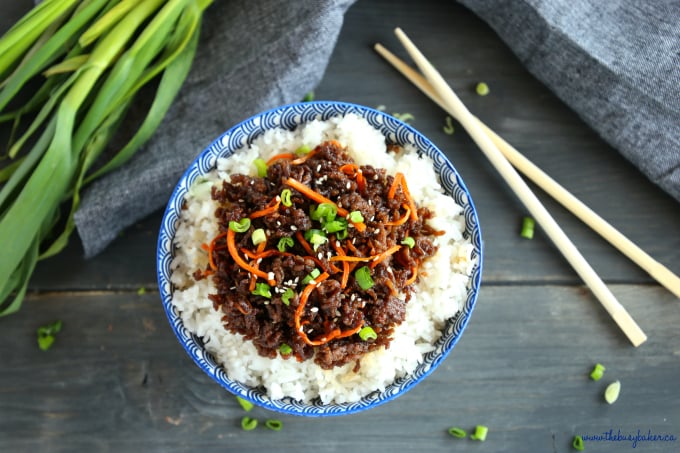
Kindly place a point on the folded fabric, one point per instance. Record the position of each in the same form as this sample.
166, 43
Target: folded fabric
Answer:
253, 55
616, 63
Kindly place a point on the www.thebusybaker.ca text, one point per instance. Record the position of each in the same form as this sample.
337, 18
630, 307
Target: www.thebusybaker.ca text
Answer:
633, 438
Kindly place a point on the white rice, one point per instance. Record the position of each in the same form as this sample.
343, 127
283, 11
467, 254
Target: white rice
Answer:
438, 296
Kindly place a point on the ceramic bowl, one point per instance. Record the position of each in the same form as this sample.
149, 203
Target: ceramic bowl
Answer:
289, 117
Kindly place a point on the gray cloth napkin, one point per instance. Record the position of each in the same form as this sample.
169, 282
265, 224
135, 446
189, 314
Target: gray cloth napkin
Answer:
253, 55
615, 62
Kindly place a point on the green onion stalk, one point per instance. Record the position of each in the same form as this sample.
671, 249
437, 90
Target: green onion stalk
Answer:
69, 72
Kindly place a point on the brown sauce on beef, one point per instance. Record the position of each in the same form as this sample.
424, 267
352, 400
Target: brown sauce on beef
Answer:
330, 310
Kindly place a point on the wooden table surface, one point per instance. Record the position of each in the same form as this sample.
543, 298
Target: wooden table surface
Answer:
117, 380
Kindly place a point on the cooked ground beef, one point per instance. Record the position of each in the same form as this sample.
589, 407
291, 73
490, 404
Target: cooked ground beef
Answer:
310, 284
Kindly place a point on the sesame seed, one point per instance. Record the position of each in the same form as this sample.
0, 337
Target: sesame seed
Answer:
293, 228
319, 255
337, 244
270, 276
318, 168
314, 309
278, 223
353, 296
348, 185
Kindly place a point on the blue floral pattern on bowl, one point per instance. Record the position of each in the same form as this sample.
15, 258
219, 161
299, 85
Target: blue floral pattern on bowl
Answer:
289, 117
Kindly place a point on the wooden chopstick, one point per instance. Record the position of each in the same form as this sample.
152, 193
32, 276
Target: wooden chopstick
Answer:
453, 104
656, 270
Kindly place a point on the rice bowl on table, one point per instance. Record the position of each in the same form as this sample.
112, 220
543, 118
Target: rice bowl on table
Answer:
319, 259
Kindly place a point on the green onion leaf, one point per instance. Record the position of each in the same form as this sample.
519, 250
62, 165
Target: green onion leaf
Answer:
449, 129
262, 289
258, 236
285, 242
336, 225
241, 226
480, 433
302, 150
261, 167
342, 234
285, 349
308, 97
46, 334
611, 393
274, 425
457, 432
598, 372
285, 197
367, 333
527, 228
325, 212
312, 275
245, 404
356, 217
363, 277
577, 443
409, 241
45, 342
287, 296
482, 89
248, 424
405, 117
141, 291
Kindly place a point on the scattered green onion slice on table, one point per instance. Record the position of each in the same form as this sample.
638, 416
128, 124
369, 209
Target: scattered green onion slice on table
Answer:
46, 334
409, 241
262, 289
241, 226
598, 372
261, 167
274, 425
248, 423
308, 97
611, 393
245, 404
363, 277
448, 128
285, 198
577, 443
367, 333
284, 243
457, 432
480, 433
482, 89
527, 228
258, 236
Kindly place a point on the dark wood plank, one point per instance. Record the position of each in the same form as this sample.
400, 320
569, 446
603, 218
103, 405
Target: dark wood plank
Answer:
116, 379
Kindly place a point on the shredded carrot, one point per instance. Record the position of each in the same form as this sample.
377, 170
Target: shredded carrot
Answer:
305, 245
395, 183
205, 247
276, 157
401, 220
304, 158
348, 258
312, 194
349, 332
301, 306
271, 208
211, 250
381, 256
351, 247
231, 246
345, 265
409, 199
254, 255
390, 285
355, 171
414, 275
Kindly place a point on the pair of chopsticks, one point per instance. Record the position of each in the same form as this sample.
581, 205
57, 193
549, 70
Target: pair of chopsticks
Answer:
503, 156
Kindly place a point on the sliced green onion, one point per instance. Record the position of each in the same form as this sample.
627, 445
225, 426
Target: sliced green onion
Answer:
258, 236
312, 275
262, 289
241, 226
480, 433
409, 241
287, 296
448, 128
302, 150
324, 212
611, 393
598, 372
482, 89
308, 97
405, 117
527, 228
363, 277
341, 234
274, 425
141, 291
245, 404
46, 335
457, 432
367, 333
577, 443
356, 217
317, 239
336, 225
248, 424
285, 197
284, 349
261, 167
285, 242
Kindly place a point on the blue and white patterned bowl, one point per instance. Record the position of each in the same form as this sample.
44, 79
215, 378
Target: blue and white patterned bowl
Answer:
289, 117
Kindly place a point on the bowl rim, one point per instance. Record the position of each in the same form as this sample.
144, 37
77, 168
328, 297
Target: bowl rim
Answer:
220, 149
